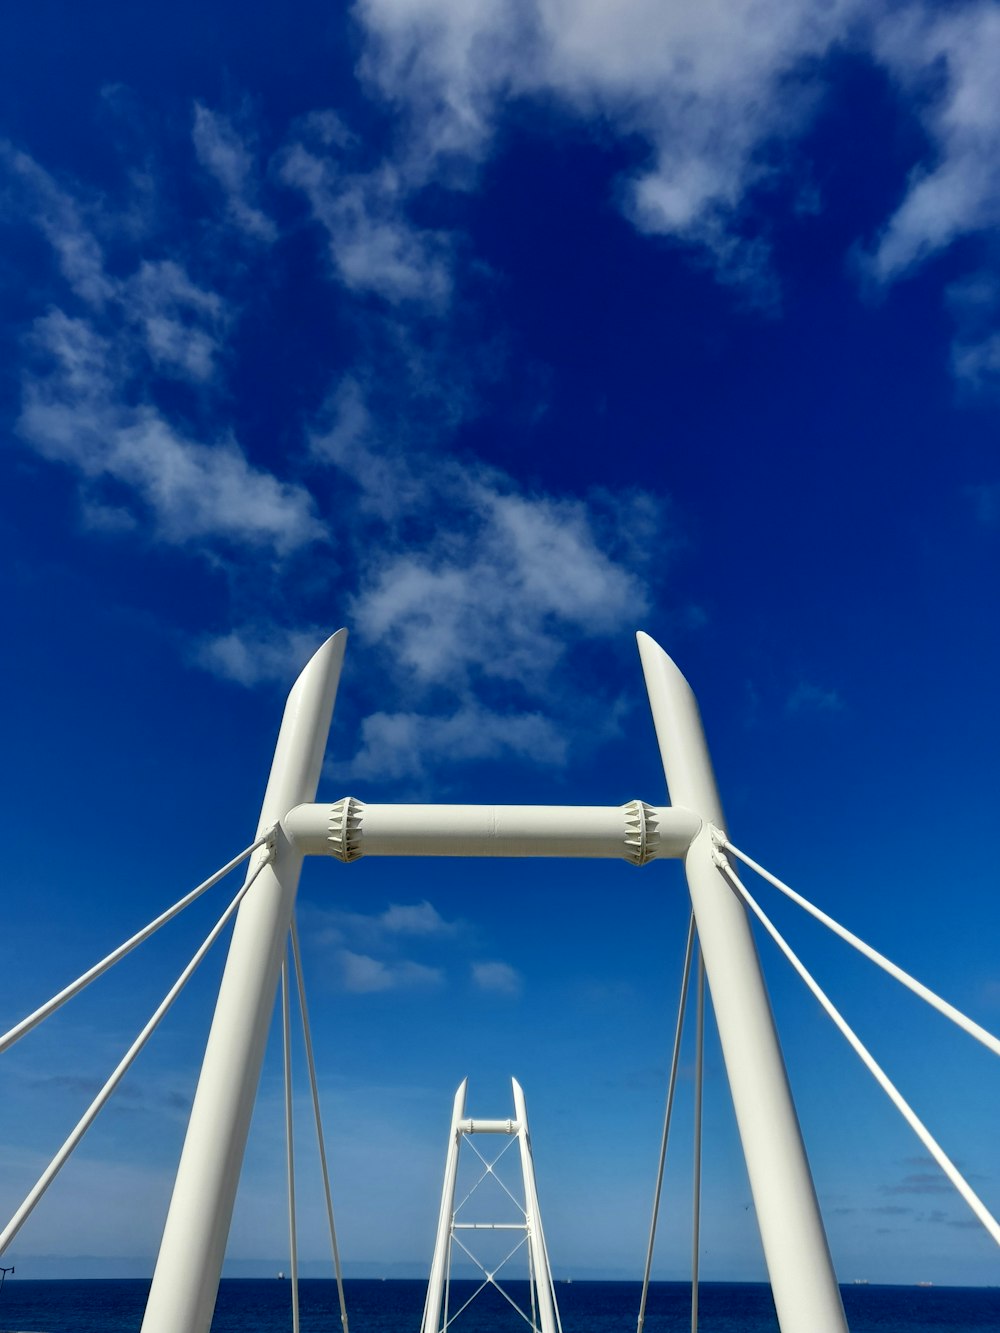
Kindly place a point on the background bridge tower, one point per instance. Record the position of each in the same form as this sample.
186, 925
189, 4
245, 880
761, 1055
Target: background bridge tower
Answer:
525, 1233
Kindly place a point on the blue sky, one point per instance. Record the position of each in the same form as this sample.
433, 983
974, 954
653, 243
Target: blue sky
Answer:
496, 332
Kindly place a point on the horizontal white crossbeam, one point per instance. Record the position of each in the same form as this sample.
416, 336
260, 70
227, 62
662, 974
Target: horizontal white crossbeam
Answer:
350, 829
488, 1127
489, 1226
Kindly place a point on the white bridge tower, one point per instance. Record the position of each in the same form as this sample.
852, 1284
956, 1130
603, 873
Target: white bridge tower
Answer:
543, 1316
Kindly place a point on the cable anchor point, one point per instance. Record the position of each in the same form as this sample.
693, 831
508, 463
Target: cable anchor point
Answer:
268, 849
719, 843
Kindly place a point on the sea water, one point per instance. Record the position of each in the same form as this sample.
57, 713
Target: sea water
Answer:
263, 1306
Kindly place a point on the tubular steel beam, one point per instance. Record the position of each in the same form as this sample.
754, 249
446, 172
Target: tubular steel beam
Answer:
349, 829
186, 1279
806, 1295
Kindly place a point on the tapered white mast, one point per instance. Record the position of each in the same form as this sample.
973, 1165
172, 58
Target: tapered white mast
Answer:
806, 1295
186, 1279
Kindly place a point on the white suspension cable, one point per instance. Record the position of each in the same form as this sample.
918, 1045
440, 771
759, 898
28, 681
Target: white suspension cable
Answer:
532, 1279
448, 1322
552, 1284
293, 1245
699, 1073
671, 1086
876, 1070
490, 1281
314, 1086
74, 988
90, 1115
942, 1006
490, 1172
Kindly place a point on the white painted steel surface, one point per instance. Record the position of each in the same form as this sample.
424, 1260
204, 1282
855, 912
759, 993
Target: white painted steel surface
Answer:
442, 1242
634, 832
544, 1302
806, 1295
186, 1279
547, 1312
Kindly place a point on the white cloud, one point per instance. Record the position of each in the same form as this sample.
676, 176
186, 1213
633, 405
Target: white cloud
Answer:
709, 88
350, 437
406, 745
476, 612
88, 407
416, 919
59, 218
497, 978
227, 157
373, 246
250, 655
381, 930
364, 949
500, 592
365, 975
76, 414
949, 59
975, 350
180, 321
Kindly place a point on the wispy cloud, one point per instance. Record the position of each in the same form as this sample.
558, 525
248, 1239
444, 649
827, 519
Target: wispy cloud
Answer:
809, 698
422, 531
87, 402
228, 157
399, 920
467, 592
365, 975
366, 950
60, 219
543, 563
181, 322
374, 247
947, 59
74, 411
921, 1182
409, 745
497, 978
473, 613
711, 92
974, 303
491, 603
249, 655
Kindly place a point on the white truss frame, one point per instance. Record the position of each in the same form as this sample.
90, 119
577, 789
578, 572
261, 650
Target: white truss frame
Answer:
544, 1317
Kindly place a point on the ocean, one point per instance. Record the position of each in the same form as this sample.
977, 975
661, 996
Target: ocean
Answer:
263, 1306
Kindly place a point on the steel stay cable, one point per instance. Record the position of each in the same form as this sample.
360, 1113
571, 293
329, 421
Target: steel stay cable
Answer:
869, 1061
90, 1115
491, 1278
552, 1281
671, 1087
84, 980
510, 1301
490, 1282
532, 1284
967, 1024
490, 1172
286, 1033
699, 1079
448, 1322
478, 1262
314, 1086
